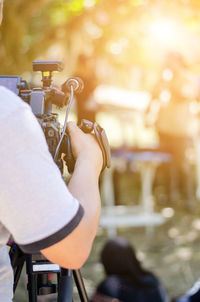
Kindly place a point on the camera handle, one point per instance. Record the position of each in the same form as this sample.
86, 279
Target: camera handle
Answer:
100, 135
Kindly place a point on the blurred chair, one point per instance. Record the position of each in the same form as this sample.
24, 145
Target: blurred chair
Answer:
114, 216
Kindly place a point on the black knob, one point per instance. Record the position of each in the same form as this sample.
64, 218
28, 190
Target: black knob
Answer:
75, 82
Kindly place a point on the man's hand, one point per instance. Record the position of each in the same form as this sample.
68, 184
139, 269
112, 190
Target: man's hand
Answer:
85, 147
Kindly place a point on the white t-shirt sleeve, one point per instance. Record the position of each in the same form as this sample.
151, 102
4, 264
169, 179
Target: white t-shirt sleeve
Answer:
35, 205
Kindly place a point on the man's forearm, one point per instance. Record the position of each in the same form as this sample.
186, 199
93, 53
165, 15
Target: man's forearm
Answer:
84, 187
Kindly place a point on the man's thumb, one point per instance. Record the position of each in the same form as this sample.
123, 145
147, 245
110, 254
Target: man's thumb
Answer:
73, 129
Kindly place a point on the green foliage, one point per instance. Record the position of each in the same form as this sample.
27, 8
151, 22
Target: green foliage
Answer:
62, 11
29, 28
115, 31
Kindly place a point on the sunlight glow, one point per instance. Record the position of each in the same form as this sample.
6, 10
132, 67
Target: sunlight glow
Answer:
165, 96
115, 48
167, 74
89, 3
163, 30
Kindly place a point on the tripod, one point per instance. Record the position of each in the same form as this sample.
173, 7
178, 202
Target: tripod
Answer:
38, 270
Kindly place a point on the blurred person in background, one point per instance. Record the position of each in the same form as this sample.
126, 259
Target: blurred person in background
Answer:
126, 280
171, 111
86, 105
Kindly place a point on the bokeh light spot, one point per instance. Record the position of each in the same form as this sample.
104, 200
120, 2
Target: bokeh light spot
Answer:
168, 212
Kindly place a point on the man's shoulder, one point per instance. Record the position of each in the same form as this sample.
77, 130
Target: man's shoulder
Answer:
9, 102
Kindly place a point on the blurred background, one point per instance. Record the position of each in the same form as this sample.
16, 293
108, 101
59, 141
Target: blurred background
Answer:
140, 63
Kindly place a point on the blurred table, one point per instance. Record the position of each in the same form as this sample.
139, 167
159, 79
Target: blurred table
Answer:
132, 216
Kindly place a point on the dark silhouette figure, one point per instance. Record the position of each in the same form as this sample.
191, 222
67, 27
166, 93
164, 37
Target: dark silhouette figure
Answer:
86, 105
175, 123
126, 280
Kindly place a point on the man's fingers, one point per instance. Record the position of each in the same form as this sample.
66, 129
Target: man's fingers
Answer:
73, 129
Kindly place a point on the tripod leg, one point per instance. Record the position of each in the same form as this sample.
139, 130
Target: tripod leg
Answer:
32, 280
80, 286
17, 258
32, 290
65, 286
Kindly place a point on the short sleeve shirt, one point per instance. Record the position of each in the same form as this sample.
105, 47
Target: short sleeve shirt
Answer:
36, 207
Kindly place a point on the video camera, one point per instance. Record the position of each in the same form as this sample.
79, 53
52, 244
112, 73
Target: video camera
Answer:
41, 100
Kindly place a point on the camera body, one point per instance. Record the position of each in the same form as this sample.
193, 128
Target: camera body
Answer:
41, 100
